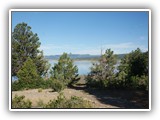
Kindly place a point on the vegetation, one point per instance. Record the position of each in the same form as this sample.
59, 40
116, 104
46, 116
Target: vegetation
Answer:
132, 71
73, 102
26, 44
19, 102
60, 102
28, 76
41, 84
40, 90
29, 65
57, 86
102, 73
65, 71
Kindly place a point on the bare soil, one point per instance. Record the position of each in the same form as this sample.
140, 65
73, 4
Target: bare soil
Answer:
98, 98
47, 95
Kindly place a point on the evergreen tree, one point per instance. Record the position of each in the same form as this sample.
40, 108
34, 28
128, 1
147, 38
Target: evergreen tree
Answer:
65, 70
27, 75
133, 70
138, 63
123, 69
26, 44
135, 63
103, 71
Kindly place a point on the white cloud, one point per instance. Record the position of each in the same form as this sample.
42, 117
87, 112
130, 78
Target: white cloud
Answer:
52, 49
124, 47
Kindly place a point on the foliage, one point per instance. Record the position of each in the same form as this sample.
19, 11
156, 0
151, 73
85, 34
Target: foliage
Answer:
65, 70
102, 73
27, 75
40, 103
133, 70
57, 85
42, 84
139, 82
16, 85
26, 44
19, 102
40, 90
138, 64
73, 102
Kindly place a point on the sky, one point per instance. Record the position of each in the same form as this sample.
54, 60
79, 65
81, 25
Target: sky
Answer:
87, 32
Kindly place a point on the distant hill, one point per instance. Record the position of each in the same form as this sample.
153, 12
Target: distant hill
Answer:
81, 56
120, 56
75, 56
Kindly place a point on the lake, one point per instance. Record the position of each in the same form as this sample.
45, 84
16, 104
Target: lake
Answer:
83, 65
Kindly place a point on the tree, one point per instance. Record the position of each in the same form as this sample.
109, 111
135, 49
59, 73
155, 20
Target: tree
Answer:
26, 44
65, 70
138, 63
135, 63
133, 70
123, 70
28, 76
103, 71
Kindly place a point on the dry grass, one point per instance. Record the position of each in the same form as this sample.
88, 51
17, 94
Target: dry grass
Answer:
46, 95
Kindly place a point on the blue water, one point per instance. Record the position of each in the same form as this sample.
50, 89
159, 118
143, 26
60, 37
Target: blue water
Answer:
83, 66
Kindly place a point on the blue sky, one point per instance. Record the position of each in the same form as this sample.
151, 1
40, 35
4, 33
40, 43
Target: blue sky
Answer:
87, 32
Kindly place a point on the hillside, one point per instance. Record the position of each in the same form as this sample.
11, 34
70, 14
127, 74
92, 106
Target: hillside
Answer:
82, 56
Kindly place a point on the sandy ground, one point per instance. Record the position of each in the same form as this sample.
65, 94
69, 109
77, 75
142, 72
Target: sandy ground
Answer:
47, 95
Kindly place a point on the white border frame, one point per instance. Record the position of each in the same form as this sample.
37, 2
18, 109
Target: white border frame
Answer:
107, 10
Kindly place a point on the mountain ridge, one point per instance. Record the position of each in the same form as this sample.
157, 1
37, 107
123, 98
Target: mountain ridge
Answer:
81, 56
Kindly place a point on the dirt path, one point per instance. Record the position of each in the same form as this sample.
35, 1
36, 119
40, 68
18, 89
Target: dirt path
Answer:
47, 95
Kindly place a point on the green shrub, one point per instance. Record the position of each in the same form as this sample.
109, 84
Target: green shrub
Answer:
40, 90
47, 84
73, 102
78, 102
28, 77
57, 86
19, 102
139, 82
40, 104
16, 86
44, 84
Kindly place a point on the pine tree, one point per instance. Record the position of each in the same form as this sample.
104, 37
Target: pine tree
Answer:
65, 70
27, 75
133, 69
102, 72
26, 44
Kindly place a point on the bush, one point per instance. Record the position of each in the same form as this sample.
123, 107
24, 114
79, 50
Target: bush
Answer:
47, 84
40, 104
44, 84
40, 90
139, 82
78, 102
28, 76
16, 86
73, 102
57, 86
19, 102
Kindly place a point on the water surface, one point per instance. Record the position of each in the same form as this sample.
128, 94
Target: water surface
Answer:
83, 65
